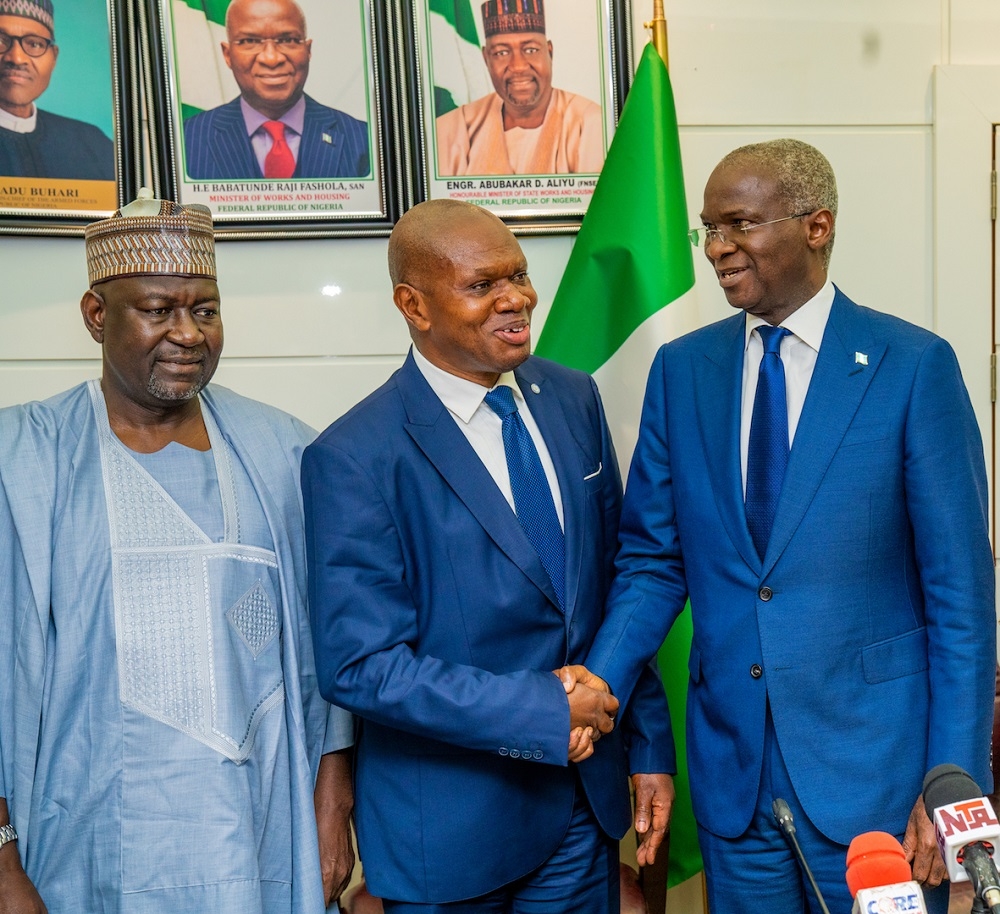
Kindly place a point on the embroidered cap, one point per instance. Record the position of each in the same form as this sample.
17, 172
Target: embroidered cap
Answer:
152, 238
501, 16
39, 10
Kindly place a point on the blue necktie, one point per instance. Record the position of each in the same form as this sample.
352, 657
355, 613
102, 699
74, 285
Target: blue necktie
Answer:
767, 456
533, 502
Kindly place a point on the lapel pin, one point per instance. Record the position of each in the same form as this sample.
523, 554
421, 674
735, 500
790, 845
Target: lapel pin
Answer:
535, 389
860, 358
327, 138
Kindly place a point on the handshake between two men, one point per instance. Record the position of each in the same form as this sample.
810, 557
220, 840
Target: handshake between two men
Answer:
592, 710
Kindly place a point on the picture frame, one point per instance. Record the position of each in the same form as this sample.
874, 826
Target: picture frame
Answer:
73, 157
538, 181
346, 154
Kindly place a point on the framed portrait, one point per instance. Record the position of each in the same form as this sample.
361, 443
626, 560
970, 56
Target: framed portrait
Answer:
516, 103
68, 143
274, 113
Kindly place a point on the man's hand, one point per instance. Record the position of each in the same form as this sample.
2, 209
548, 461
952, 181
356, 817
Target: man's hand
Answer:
654, 801
581, 744
577, 673
592, 709
591, 703
17, 893
921, 848
334, 801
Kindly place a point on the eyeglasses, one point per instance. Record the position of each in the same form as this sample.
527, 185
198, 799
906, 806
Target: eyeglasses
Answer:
32, 45
256, 45
704, 236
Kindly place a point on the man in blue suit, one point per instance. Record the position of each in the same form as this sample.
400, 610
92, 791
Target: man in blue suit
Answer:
439, 617
844, 629
273, 130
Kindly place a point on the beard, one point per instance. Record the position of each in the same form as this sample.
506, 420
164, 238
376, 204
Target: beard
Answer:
172, 393
523, 96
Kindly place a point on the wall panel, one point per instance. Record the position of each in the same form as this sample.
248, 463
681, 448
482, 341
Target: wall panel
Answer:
795, 62
974, 32
883, 252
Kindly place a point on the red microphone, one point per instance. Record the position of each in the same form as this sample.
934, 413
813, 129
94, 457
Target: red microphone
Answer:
879, 877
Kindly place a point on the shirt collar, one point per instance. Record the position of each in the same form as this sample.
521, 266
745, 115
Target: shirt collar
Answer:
294, 118
460, 396
807, 322
19, 124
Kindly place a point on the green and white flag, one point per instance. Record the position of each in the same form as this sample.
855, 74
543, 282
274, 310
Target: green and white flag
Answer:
628, 288
456, 40
204, 81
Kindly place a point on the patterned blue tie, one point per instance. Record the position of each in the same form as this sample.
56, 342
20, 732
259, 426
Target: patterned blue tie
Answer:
767, 456
533, 502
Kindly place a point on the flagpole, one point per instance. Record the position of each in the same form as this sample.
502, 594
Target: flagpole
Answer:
659, 27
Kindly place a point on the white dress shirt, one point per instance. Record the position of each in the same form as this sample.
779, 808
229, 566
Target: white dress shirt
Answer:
798, 354
19, 124
483, 427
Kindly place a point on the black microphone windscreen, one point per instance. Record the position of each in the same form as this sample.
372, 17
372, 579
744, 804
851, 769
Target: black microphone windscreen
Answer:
948, 784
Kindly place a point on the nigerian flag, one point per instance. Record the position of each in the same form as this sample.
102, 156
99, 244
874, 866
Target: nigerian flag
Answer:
627, 288
204, 80
459, 74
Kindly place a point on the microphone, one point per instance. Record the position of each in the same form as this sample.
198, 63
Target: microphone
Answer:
786, 823
879, 878
967, 831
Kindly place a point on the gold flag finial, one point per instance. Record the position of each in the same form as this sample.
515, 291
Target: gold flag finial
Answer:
659, 26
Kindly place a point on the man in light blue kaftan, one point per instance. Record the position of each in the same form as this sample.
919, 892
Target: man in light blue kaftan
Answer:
161, 734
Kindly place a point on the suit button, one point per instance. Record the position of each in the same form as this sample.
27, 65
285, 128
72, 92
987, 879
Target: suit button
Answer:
765, 593
515, 753
538, 754
756, 671
504, 750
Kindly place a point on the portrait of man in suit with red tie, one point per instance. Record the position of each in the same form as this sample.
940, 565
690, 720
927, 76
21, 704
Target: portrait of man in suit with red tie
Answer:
273, 130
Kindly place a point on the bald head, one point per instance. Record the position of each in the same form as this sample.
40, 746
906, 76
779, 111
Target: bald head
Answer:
427, 234
268, 52
263, 9
461, 282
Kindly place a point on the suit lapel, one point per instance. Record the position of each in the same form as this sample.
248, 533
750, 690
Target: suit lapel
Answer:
838, 384
230, 143
718, 386
322, 142
436, 433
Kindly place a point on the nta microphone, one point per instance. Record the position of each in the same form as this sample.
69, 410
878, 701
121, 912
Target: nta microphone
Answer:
967, 830
879, 878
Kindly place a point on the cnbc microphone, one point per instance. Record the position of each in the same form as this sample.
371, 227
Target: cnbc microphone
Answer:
967, 830
783, 814
878, 876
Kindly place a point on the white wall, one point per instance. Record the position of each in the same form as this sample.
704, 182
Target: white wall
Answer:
852, 77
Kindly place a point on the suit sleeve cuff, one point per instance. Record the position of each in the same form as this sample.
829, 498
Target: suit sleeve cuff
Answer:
339, 730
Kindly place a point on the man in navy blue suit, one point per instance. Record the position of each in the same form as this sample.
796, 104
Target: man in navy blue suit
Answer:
273, 130
440, 620
841, 584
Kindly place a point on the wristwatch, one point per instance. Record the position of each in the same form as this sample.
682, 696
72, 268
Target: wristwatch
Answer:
7, 834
